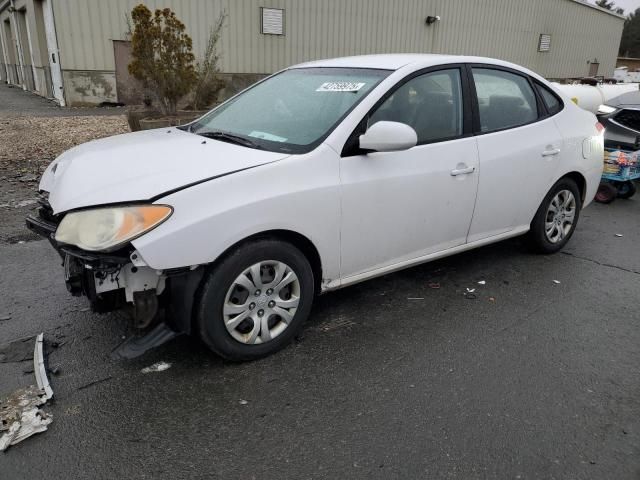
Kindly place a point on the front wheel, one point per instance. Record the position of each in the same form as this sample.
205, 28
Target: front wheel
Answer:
556, 218
255, 300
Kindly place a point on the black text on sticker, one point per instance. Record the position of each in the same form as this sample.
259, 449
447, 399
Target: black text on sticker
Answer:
340, 87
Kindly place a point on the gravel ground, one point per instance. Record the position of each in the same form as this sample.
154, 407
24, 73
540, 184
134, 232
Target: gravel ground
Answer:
27, 145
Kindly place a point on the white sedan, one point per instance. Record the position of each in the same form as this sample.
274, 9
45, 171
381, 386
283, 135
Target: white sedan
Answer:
320, 176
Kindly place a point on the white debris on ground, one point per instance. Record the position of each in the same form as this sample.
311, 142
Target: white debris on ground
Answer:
20, 413
557, 282
156, 367
21, 417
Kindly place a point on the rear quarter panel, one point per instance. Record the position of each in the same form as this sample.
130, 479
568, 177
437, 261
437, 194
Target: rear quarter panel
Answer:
583, 146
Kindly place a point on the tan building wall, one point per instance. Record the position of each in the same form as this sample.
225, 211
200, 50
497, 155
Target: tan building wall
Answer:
326, 28
508, 29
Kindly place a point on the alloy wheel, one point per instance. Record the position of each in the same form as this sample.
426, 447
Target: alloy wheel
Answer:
560, 216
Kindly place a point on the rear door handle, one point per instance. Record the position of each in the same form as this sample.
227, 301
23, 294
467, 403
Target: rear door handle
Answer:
462, 171
551, 152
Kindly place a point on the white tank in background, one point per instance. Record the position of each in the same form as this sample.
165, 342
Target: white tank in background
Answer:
590, 98
610, 91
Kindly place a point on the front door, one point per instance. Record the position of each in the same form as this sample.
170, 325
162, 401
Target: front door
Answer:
399, 206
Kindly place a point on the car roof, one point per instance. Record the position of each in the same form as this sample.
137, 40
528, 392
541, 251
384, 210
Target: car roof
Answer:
396, 61
626, 99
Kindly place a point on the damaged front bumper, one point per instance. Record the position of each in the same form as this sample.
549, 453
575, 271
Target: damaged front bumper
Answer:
121, 279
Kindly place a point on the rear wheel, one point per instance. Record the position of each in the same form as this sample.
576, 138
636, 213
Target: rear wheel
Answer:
556, 218
606, 193
255, 300
626, 190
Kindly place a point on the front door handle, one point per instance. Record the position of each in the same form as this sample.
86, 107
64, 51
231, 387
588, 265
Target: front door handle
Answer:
551, 152
462, 171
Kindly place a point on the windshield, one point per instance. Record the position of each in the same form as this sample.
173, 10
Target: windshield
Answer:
290, 112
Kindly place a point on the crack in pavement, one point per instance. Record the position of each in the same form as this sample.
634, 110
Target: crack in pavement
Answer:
600, 263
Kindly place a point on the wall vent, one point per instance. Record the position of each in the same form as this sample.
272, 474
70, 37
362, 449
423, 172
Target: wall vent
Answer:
272, 21
545, 43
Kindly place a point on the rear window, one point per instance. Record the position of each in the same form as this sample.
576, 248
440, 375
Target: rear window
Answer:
550, 99
505, 100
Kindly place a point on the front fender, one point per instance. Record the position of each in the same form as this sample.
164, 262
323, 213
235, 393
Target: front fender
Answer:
299, 194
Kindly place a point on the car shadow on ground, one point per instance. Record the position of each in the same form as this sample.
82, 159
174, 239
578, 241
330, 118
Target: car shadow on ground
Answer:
350, 307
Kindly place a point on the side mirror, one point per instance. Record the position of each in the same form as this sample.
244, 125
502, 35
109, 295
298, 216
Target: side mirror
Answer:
388, 137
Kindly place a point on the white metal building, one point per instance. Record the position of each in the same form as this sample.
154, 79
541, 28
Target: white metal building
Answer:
77, 50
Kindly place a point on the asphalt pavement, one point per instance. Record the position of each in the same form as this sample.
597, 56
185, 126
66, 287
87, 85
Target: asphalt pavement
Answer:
391, 379
15, 101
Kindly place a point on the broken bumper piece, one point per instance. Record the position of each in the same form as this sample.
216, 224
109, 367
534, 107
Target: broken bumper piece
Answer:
39, 367
20, 413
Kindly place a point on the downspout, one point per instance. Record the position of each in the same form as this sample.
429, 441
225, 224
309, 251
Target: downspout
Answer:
18, 43
52, 47
5, 55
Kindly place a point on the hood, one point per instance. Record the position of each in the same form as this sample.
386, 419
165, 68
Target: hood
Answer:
141, 166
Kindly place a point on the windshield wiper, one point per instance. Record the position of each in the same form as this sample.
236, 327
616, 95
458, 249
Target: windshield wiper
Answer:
230, 137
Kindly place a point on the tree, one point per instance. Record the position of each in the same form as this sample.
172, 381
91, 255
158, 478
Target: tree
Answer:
207, 85
162, 55
630, 43
609, 5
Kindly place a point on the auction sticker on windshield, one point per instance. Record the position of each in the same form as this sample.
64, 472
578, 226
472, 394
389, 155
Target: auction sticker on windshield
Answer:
340, 87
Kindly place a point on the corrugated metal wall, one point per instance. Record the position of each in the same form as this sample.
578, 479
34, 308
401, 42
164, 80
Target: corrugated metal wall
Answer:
506, 29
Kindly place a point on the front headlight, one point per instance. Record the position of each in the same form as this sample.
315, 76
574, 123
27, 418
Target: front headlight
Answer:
606, 109
107, 228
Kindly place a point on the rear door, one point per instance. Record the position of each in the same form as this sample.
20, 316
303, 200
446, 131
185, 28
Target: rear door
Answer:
519, 148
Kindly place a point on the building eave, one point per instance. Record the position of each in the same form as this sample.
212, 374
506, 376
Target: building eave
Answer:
584, 3
4, 4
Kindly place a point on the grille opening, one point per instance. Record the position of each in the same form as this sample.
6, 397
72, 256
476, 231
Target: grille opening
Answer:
629, 119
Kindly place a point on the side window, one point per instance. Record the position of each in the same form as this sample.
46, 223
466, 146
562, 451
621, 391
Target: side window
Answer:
430, 103
505, 99
550, 99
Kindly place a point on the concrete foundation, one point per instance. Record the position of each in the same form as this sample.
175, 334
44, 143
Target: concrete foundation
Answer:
89, 87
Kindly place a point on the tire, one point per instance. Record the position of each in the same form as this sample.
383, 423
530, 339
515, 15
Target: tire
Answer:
606, 193
230, 310
626, 190
551, 231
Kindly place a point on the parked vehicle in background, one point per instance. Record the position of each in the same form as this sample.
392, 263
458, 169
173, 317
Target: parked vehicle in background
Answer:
623, 75
320, 176
621, 118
